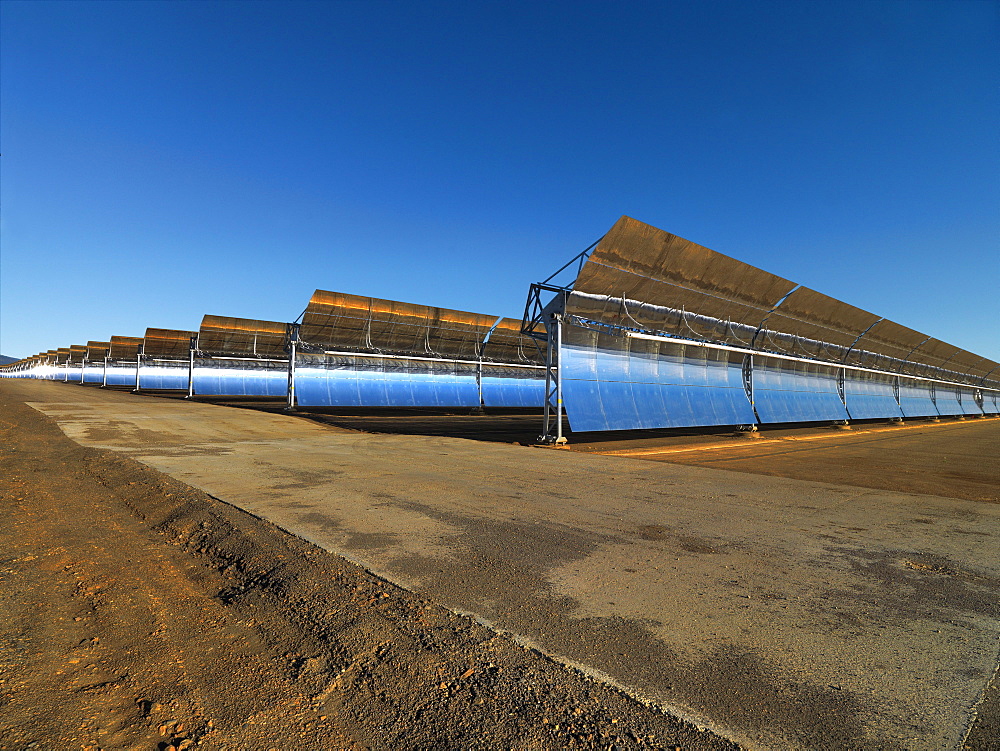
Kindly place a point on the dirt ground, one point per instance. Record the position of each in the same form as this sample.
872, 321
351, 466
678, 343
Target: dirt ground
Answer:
765, 605
139, 613
951, 458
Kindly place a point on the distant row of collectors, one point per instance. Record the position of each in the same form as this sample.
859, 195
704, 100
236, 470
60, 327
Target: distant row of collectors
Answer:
350, 351
654, 332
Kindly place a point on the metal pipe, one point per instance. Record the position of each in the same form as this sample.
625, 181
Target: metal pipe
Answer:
559, 400
775, 355
383, 356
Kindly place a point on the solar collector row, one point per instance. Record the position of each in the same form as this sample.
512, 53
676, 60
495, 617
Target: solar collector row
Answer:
642, 287
842, 362
637, 262
614, 382
365, 351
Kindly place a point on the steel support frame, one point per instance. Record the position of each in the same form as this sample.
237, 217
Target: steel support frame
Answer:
293, 340
748, 389
545, 322
553, 407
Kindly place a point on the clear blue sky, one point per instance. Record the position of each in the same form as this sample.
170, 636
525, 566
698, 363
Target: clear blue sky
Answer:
162, 160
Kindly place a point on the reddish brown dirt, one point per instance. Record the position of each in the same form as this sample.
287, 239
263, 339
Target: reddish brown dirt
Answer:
138, 613
951, 458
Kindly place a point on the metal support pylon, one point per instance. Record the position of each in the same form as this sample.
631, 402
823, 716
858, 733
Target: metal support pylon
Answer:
553, 408
293, 338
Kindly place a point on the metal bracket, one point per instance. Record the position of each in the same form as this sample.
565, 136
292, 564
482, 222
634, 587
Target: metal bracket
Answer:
748, 386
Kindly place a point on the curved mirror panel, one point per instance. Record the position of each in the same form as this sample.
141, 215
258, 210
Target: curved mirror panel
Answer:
916, 398
362, 381
794, 391
870, 396
121, 374
970, 404
506, 386
620, 383
249, 377
163, 375
946, 400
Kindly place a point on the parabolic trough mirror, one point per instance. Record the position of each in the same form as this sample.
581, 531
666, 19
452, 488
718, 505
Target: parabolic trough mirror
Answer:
656, 331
